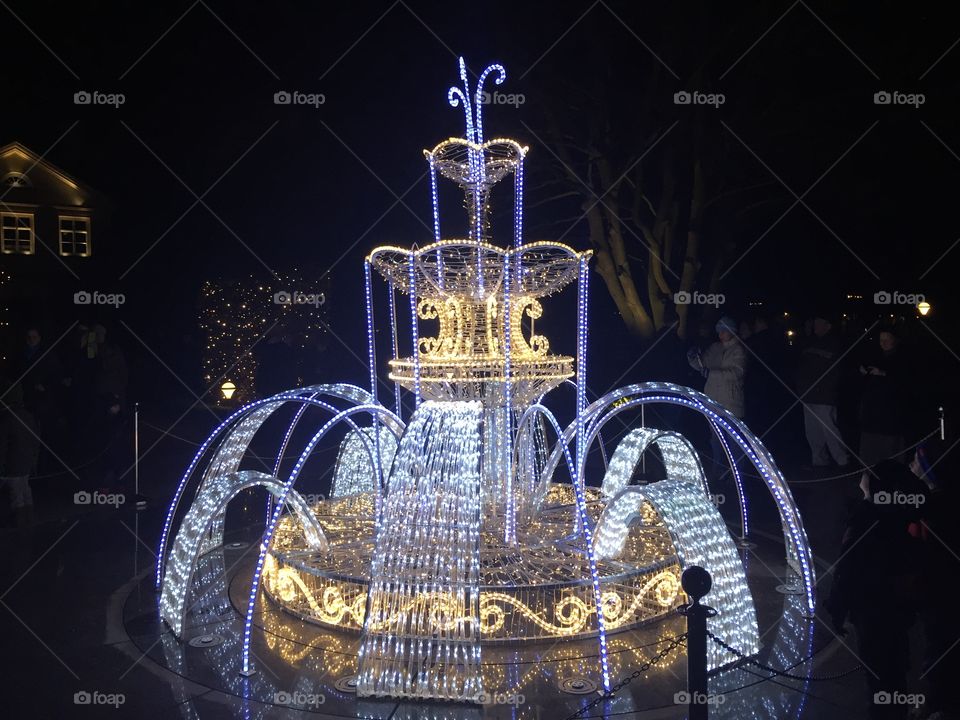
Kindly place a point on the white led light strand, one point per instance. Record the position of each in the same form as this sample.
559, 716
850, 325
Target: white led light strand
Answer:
701, 538
344, 391
355, 471
395, 342
510, 520
798, 552
427, 558
209, 505
391, 421
415, 333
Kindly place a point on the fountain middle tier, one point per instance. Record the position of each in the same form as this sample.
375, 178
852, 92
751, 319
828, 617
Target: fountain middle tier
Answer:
535, 590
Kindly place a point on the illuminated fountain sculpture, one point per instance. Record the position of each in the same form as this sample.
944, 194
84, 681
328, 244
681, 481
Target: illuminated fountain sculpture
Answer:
452, 528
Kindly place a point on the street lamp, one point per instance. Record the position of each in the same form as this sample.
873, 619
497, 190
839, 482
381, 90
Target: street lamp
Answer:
228, 389
923, 308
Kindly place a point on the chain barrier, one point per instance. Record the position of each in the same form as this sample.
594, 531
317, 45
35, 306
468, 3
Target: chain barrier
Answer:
674, 643
781, 673
167, 433
855, 468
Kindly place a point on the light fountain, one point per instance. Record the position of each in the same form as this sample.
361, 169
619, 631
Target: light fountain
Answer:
452, 527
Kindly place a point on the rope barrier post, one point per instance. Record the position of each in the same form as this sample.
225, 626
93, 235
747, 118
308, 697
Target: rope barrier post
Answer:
139, 502
696, 583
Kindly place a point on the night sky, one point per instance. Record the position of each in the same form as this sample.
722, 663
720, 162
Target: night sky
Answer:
319, 187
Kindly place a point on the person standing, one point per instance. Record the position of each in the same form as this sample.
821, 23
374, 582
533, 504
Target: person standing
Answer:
877, 582
19, 448
768, 398
882, 404
818, 382
724, 365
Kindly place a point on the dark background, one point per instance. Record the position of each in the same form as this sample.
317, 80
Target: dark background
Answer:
319, 187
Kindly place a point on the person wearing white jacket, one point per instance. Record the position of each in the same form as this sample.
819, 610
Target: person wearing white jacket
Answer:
724, 365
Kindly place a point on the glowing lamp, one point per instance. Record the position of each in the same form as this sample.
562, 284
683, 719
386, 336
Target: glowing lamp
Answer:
923, 308
228, 389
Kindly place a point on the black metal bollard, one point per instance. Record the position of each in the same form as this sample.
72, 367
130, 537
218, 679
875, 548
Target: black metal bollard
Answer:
696, 583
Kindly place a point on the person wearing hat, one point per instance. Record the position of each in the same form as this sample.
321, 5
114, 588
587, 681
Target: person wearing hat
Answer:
724, 365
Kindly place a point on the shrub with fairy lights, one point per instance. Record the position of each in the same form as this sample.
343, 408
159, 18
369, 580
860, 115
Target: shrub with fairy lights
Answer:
239, 318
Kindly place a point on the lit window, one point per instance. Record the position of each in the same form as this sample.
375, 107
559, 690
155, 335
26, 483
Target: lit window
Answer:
74, 236
16, 233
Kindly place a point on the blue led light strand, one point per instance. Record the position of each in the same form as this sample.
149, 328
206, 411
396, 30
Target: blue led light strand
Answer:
414, 330
626, 398
275, 519
394, 339
372, 359
738, 481
344, 391
579, 480
478, 96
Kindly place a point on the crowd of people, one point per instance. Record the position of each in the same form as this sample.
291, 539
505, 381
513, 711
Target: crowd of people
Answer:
893, 574
62, 413
863, 416
858, 401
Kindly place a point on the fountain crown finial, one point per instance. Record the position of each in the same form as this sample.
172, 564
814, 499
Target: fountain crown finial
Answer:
473, 163
473, 112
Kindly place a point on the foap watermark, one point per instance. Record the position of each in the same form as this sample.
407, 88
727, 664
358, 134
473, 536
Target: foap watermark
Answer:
85, 297
95, 97
899, 498
96, 697
885, 297
698, 698
895, 97
98, 498
295, 297
497, 698
696, 97
899, 698
499, 98
295, 97
313, 498
299, 698
698, 298
718, 499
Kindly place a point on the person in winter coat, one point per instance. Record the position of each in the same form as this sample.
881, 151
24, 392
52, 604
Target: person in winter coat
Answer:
818, 385
724, 365
935, 464
883, 402
19, 447
877, 581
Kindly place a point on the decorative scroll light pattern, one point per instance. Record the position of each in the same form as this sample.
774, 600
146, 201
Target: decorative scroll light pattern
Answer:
427, 558
701, 538
505, 614
354, 471
209, 506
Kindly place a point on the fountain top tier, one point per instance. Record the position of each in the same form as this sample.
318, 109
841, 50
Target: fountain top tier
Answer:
483, 296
